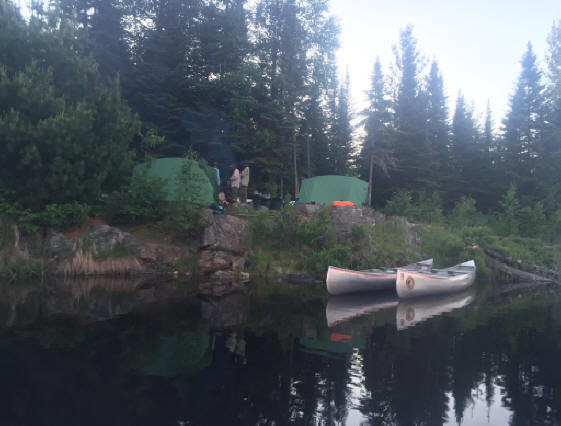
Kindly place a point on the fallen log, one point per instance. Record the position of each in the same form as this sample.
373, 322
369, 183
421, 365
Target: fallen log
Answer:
508, 274
520, 265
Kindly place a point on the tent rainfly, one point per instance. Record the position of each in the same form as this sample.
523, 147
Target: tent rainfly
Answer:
326, 189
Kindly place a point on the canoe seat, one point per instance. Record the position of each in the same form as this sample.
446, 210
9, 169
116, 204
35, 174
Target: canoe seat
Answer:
382, 268
451, 273
434, 271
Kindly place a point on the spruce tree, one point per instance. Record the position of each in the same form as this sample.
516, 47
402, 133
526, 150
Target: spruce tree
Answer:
490, 168
438, 131
340, 146
488, 136
296, 44
465, 150
549, 171
523, 129
376, 156
314, 131
411, 146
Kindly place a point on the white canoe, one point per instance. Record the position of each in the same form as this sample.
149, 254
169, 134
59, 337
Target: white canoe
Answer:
427, 283
410, 312
344, 281
343, 308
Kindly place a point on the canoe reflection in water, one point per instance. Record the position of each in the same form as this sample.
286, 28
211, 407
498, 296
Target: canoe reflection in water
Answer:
343, 308
409, 312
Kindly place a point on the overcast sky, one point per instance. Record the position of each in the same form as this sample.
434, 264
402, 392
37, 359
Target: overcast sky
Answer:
477, 43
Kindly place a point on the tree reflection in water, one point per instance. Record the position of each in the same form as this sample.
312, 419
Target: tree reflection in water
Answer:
271, 359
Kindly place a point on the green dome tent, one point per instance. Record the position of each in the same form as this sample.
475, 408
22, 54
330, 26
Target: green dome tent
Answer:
201, 188
326, 189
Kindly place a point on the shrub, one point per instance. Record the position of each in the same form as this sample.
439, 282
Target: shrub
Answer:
530, 250
318, 233
189, 182
428, 208
258, 229
391, 246
360, 235
508, 220
401, 204
184, 221
317, 261
555, 233
442, 244
464, 213
283, 233
312, 245
142, 201
533, 222
55, 215
20, 270
271, 188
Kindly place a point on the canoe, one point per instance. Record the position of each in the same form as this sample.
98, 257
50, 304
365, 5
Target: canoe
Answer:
436, 281
411, 312
344, 308
344, 281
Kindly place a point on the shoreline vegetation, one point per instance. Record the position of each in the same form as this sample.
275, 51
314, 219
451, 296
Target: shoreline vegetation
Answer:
297, 240
77, 114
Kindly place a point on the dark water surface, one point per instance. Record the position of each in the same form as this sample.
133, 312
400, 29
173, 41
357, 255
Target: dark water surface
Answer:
123, 353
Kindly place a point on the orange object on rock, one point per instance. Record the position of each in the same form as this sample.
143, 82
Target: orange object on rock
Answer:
342, 203
337, 337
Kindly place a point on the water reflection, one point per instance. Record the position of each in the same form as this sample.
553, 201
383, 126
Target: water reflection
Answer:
344, 308
413, 311
408, 312
271, 359
90, 299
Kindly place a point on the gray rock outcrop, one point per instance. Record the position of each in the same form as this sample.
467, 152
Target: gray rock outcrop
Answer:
102, 250
224, 232
222, 255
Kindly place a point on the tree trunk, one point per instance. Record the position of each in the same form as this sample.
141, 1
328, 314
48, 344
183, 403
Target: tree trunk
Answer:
308, 159
296, 191
370, 179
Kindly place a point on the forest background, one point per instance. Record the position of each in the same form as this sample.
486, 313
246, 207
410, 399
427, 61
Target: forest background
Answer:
89, 88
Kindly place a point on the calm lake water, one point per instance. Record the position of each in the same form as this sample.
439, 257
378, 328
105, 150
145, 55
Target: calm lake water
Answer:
122, 353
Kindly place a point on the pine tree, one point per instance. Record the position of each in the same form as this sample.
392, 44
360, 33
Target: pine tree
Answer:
103, 23
64, 135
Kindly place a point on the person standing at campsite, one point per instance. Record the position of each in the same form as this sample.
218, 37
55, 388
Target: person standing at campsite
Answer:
235, 182
244, 183
215, 165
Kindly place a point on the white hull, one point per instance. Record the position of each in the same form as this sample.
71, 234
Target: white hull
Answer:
343, 308
344, 281
410, 312
420, 283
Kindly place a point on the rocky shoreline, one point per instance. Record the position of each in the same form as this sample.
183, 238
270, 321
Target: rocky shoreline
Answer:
216, 262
